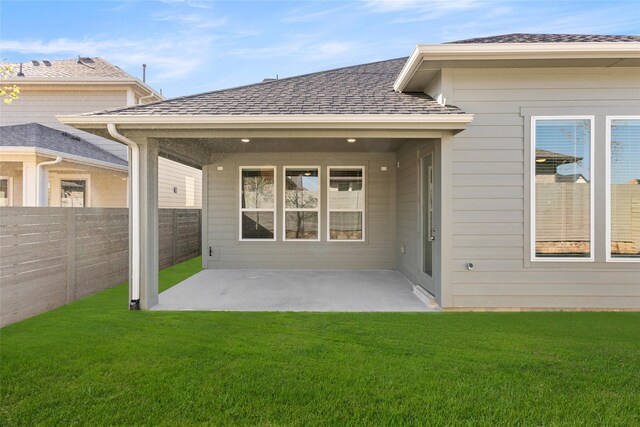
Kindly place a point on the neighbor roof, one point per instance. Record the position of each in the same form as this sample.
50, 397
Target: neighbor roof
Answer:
360, 89
86, 68
39, 136
551, 38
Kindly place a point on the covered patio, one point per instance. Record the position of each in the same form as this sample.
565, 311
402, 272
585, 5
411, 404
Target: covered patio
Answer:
312, 191
295, 290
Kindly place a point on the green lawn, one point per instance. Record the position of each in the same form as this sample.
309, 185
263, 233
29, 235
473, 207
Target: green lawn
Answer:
94, 362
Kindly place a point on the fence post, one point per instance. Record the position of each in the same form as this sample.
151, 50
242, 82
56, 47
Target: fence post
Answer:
174, 249
71, 254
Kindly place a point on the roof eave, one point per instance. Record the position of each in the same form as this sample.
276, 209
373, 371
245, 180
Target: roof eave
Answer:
320, 121
512, 51
141, 87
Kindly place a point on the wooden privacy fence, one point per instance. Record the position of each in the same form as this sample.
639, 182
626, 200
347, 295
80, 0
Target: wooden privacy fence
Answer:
52, 256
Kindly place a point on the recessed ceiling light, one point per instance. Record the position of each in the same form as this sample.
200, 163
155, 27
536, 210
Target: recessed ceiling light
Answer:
351, 140
245, 140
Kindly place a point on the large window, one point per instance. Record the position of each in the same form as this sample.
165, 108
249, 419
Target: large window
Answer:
623, 200
346, 204
301, 203
257, 203
562, 191
73, 193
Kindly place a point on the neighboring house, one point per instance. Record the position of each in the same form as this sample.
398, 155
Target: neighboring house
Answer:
76, 86
87, 177
427, 165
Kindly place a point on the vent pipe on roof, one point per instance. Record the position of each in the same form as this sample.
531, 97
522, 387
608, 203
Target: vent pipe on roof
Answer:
20, 73
144, 73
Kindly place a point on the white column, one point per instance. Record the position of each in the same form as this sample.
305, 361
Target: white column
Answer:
148, 224
29, 184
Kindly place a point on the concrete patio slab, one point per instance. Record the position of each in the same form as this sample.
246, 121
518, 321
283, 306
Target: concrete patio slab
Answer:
293, 290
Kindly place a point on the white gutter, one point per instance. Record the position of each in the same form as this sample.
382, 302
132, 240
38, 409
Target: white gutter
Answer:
284, 121
134, 213
145, 97
42, 182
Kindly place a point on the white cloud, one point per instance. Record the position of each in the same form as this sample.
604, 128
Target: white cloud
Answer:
168, 58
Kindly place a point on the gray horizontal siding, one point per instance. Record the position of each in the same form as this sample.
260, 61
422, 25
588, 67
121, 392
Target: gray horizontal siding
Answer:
490, 220
377, 252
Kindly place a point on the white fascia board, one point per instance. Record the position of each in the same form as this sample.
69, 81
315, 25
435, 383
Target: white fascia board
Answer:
65, 157
318, 121
140, 87
513, 51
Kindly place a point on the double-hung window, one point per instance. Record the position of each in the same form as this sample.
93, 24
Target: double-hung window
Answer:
623, 188
562, 188
257, 203
346, 204
301, 203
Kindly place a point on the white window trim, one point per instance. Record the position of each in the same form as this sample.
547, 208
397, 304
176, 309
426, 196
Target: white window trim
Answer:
59, 177
241, 209
9, 189
610, 258
284, 203
532, 191
329, 210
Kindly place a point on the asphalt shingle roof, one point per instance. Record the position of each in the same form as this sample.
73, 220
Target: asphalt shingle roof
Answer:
550, 38
361, 89
39, 136
85, 68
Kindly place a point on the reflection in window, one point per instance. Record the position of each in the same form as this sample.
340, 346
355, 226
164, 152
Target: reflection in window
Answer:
562, 187
346, 203
73, 193
625, 188
4, 192
301, 203
257, 203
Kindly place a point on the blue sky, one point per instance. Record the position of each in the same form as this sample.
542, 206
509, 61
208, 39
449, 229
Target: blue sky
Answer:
193, 46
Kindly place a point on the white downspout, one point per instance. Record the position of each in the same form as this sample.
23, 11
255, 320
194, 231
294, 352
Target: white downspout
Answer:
42, 182
134, 205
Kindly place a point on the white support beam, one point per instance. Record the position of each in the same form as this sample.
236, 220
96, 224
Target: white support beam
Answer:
148, 229
29, 184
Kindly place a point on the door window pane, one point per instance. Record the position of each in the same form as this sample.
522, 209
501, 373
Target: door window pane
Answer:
625, 188
73, 193
562, 188
427, 214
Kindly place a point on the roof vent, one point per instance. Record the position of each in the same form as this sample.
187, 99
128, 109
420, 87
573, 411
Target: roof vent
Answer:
84, 60
68, 135
20, 73
35, 63
47, 63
